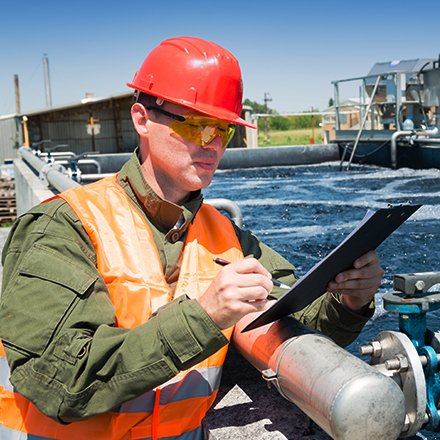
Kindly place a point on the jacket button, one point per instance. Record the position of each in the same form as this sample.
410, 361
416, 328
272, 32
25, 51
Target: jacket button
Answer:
174, 236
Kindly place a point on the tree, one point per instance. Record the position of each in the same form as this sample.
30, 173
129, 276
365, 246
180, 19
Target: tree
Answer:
279, 123
257, 107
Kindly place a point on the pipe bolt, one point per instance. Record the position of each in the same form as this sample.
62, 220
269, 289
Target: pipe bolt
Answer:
400, 363
420, 285
374, 349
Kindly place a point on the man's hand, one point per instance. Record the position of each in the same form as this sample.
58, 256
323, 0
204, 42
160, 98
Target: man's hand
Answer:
238, 289
358, 285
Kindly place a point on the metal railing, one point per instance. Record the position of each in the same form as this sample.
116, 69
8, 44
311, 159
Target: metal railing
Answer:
53, 174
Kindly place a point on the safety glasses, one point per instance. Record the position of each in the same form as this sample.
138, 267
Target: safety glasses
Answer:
200, 130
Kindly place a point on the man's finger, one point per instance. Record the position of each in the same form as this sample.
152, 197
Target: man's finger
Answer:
366, 259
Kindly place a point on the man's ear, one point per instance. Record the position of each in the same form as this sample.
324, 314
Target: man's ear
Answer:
139, 117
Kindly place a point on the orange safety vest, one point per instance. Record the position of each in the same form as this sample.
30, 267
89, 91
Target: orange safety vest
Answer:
128, 260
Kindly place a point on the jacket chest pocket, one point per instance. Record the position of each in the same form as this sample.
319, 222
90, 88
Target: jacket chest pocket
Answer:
41, 296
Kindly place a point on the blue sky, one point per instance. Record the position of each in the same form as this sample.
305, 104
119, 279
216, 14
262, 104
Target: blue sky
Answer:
289, 49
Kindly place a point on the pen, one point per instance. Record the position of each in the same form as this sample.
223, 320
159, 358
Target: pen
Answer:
274, 280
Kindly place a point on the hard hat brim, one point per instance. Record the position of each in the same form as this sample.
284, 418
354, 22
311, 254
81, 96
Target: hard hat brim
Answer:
213, 111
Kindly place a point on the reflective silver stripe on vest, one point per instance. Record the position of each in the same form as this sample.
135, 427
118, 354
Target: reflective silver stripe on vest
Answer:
5, 375
196, 434
11, 434
201, 382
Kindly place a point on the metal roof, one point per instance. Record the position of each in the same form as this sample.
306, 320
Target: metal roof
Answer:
407, 66
81, 103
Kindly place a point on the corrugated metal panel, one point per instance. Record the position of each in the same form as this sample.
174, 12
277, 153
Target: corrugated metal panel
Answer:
69, 126
410, 66
11, 137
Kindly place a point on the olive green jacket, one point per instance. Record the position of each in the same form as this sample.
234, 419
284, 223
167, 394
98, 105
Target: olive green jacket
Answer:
57, 320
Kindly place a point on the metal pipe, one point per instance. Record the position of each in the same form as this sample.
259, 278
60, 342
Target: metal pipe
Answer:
346, 397
56, 175
94, 162
57, 154
337, 113
427, 141
393, 149
398, 134
91, 162
364, 120
53, 173
357, 78
28, 156
230, 207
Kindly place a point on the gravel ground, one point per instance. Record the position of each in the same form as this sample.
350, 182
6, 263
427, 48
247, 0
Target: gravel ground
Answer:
246, 408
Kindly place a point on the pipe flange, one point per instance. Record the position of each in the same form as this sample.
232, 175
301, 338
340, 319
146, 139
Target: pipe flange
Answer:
45, 169
411, 379
400, 302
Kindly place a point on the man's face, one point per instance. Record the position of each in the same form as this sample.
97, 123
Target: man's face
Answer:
173, 166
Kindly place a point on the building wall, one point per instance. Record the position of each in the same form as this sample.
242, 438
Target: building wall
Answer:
69, 128
11, 137
349, 118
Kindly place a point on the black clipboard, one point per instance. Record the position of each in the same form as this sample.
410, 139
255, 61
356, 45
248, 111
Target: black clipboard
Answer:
374, 228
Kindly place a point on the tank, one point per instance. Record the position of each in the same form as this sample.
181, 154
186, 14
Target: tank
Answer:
346, 397
431, 91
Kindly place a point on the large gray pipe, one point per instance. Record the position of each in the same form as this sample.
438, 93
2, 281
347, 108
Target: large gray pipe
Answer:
346, 397
52, 172
278, 156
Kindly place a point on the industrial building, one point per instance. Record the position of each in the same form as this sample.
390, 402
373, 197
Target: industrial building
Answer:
99, 125
93, 125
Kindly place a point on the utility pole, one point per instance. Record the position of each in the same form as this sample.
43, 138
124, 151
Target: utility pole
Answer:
92, 129
267, 99
17, 95
24, 121
47, 81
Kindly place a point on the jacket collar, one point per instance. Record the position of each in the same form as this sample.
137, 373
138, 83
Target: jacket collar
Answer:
164, 214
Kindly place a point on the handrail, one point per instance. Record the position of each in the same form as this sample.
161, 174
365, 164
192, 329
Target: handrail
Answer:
230, 207
51, 173
361, 128
398, 134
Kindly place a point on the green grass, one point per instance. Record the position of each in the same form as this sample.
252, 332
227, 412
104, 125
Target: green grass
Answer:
288, 137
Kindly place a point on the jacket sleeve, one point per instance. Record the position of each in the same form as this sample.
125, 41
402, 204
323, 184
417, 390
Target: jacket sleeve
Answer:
326, 314
57, 324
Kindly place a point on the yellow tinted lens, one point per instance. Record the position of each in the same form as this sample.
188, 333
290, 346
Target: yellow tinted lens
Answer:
187, 131
202, 131
226, 134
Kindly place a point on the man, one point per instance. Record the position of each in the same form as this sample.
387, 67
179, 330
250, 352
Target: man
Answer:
114, 317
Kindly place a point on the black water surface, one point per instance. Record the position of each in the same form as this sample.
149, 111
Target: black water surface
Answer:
305, 211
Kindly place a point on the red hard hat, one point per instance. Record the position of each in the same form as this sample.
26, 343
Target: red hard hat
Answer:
194, 73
